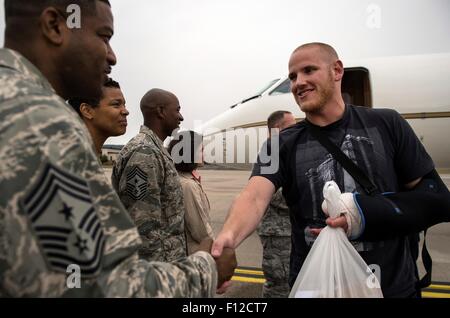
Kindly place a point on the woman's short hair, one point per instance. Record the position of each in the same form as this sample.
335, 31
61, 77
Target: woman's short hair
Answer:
184, 149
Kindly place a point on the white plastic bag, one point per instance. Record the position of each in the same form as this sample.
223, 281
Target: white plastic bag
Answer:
333, 268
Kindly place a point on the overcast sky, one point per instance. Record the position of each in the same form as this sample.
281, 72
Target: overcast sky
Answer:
214, 53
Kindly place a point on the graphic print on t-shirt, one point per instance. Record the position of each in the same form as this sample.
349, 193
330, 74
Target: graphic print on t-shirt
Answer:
323, 167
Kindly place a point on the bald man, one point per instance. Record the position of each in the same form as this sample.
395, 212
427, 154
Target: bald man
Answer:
147, 182
379, 141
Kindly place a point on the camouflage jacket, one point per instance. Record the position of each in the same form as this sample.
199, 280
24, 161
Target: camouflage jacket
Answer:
59, 215
146, 180
276, 221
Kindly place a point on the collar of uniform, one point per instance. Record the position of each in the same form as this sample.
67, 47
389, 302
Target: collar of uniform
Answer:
16, 61
158, 142
184, 174
189, 175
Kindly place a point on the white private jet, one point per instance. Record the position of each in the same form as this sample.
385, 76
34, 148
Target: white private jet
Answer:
417, 86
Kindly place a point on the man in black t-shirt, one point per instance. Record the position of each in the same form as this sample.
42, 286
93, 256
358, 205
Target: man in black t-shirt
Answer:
379, 141
384, 146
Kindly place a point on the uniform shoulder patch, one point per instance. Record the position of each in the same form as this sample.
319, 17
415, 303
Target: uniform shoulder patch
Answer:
63, 217
137, 184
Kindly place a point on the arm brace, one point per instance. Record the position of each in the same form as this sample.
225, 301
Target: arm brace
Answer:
398, 214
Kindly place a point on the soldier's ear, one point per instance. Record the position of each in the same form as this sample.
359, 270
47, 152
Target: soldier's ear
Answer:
87, 112
160, 111
53, 26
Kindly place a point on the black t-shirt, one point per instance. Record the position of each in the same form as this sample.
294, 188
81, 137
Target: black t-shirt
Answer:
385, 147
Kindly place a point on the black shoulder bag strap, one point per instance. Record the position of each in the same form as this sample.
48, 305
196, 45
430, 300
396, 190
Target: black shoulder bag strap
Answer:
370, 188
358, 175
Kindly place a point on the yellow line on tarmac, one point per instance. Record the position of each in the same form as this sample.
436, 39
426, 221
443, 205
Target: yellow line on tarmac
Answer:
248, 279
443, 287
262, 281
247, 271
435, 295
425, 294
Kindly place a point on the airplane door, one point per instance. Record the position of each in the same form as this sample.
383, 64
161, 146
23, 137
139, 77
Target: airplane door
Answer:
356, 87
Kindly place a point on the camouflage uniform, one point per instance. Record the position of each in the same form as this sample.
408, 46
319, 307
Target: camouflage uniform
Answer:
275, 234
57, 209
146, 180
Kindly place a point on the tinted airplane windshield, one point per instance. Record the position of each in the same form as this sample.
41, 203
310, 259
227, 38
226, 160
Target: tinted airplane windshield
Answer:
267, 87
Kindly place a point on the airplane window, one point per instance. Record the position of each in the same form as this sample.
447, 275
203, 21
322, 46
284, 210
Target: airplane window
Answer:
283, 88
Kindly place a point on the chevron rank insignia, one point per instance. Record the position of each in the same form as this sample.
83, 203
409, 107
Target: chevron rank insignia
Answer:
68, 229
136, 184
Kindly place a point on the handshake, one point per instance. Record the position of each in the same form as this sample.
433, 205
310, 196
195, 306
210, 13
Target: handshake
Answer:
226, 264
